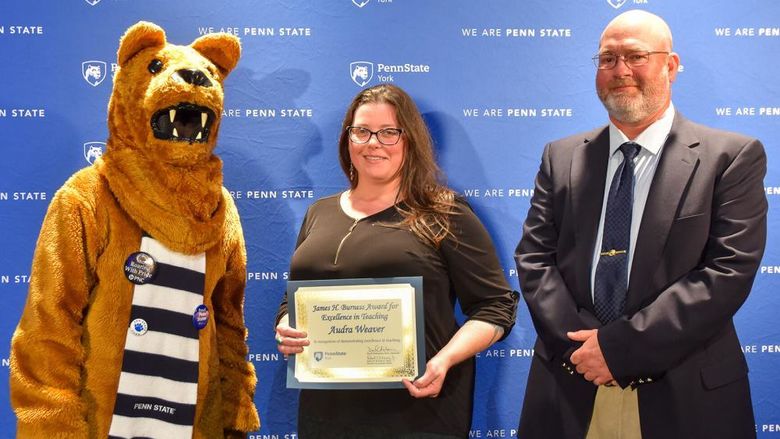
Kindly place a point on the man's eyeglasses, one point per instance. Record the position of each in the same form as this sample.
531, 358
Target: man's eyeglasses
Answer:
606, 61
385, 136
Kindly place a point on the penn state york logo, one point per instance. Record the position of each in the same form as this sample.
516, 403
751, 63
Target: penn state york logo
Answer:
94, 72
358, 3
361, 72
616, 3
318, 356
93, 150
92, 2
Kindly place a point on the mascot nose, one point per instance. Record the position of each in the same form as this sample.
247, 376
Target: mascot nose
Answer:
194, 77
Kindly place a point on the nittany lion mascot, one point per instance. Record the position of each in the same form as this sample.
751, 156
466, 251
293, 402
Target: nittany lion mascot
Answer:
133, 325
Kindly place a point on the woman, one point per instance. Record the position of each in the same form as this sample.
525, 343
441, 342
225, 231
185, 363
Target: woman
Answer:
397, 219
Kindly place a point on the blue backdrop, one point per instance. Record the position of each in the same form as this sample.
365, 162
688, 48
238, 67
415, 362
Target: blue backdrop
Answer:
495, 80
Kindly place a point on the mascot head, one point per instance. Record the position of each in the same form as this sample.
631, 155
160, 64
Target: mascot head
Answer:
167, 99
163, 120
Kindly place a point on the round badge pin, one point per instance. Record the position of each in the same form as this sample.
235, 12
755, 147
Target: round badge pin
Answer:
140, 268
138, 327
200, 317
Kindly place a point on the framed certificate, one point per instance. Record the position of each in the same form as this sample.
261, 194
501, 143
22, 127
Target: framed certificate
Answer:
364, 333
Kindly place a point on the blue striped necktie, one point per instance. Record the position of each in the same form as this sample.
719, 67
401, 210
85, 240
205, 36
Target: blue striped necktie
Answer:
611, 280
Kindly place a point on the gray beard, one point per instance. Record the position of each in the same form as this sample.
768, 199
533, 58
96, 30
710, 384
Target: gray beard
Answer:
629, 110
635, 109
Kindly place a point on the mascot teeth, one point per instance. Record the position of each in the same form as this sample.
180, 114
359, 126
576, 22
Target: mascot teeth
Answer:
184, 122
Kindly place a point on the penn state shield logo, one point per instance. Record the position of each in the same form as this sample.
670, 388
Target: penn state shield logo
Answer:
358, 3
318, 356
94, 72
92, 2
361, 72
616, 3
93, 150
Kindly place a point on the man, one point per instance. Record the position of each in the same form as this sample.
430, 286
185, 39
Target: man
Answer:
634, 260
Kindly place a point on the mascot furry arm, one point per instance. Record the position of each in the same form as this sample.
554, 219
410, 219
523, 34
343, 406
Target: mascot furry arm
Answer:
157, 191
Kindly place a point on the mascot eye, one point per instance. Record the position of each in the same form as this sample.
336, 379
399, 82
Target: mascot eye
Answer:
155, 66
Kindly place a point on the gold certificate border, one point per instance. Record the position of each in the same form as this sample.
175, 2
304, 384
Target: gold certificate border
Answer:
306, 297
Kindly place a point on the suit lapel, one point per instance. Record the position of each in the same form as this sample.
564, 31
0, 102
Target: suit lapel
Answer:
588, 174
675, 168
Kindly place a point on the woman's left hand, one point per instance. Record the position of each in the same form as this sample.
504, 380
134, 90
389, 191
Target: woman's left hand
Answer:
429, 385
474, 336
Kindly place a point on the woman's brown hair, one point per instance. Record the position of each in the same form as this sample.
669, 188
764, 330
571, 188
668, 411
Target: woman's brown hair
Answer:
426, 202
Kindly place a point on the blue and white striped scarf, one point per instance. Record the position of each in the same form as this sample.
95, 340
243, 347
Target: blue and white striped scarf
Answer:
158, 385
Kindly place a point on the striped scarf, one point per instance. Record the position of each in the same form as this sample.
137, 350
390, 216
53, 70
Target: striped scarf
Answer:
158, 385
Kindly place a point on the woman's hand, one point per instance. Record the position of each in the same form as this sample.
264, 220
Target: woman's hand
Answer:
288, 339
429, 385
474, 336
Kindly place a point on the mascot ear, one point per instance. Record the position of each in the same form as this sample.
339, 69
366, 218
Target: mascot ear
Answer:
137, 38
222, 49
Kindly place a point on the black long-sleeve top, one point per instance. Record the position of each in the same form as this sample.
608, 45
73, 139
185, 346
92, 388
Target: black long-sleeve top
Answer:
464, 267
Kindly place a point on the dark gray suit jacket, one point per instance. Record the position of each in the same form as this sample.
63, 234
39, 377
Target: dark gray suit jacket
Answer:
700, 243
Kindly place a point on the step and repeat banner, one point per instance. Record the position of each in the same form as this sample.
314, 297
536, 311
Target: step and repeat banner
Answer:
495, 79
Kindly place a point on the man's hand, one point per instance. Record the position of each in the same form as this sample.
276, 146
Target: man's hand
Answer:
588, 358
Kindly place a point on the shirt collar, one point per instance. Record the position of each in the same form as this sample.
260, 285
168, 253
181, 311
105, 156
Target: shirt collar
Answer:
651, 139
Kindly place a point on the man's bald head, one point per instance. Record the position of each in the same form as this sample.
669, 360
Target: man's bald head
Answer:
635, 83
639, 22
